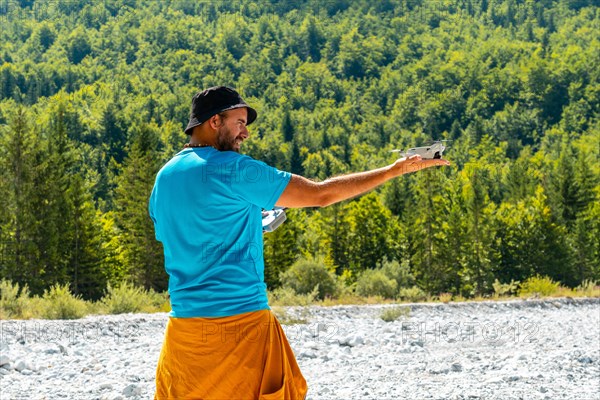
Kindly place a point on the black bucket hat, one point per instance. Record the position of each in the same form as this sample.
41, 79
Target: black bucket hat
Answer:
214, 100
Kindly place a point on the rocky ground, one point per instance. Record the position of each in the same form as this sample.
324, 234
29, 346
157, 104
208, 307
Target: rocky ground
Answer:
494, 350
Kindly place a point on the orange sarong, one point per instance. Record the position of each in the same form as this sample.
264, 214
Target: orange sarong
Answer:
244, 356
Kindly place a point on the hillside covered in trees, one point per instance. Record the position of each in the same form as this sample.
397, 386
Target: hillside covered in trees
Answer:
94, 97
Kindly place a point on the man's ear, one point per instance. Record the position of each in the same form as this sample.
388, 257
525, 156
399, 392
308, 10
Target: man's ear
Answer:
215, 121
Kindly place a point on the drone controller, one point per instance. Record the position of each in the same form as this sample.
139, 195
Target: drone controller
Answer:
271, 219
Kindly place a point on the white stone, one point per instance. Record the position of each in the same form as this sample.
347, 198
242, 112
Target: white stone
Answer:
4, 359
132, 390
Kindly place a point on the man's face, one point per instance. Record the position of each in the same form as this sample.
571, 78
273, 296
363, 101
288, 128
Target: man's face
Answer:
232, 131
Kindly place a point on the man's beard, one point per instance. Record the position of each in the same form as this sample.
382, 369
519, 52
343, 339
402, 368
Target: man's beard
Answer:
225, 141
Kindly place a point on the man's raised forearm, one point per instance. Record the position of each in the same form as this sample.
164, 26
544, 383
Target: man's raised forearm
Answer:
302, 192
347, 186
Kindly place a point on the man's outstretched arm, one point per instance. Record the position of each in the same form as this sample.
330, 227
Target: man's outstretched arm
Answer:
302, 192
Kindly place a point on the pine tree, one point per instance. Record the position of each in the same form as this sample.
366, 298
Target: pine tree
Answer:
479, 246
16, 217
368, 221
397, 196
520, 180
337, 236
114, 135
87, 255
53, 229
287, 128
426, 237
531, 242
142, 253
310, 39
296, 166
586, 242
570, 186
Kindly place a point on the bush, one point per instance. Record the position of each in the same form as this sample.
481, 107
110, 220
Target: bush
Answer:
13, 302
286, 296
306, 275
412, 294
393, 313
398, 272
127, 298
504, 289
60, 303
588, 288
344, 285
542, 286
445, 297
374, 282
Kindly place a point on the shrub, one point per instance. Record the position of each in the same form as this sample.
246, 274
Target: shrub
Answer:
505, 289
60, 303
286, 296
13, 302
588, 288
459, 298
127, 298
160, 301
412, 294
307, 274
543, 286
393, 313
345, 286
445, 297
398, 272
374, 282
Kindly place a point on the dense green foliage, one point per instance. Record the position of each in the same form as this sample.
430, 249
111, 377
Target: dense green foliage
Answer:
94, 97
306, 276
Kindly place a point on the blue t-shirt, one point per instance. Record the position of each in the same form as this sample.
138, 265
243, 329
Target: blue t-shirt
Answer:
206, 208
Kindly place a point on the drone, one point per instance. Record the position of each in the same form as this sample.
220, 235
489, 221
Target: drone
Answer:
433, 151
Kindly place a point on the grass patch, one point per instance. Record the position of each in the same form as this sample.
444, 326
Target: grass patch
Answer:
538, 286
588, 288
412, 294
14, 301
353, 299
394, 313
127, 298
504, 289
459, 298
445, 297
286, 296
59, 303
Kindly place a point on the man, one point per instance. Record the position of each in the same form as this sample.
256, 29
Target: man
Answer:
221, 340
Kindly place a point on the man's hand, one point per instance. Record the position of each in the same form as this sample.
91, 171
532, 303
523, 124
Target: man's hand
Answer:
406, 165
302, 192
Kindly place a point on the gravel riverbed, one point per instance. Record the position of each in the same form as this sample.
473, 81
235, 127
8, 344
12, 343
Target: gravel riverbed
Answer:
536, 349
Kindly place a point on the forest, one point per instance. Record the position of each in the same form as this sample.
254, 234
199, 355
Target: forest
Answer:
94, 97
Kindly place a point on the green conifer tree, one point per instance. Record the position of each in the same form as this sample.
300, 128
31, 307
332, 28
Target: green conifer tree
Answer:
87, 254
426, 237
143, 255
479, 247
16, 217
